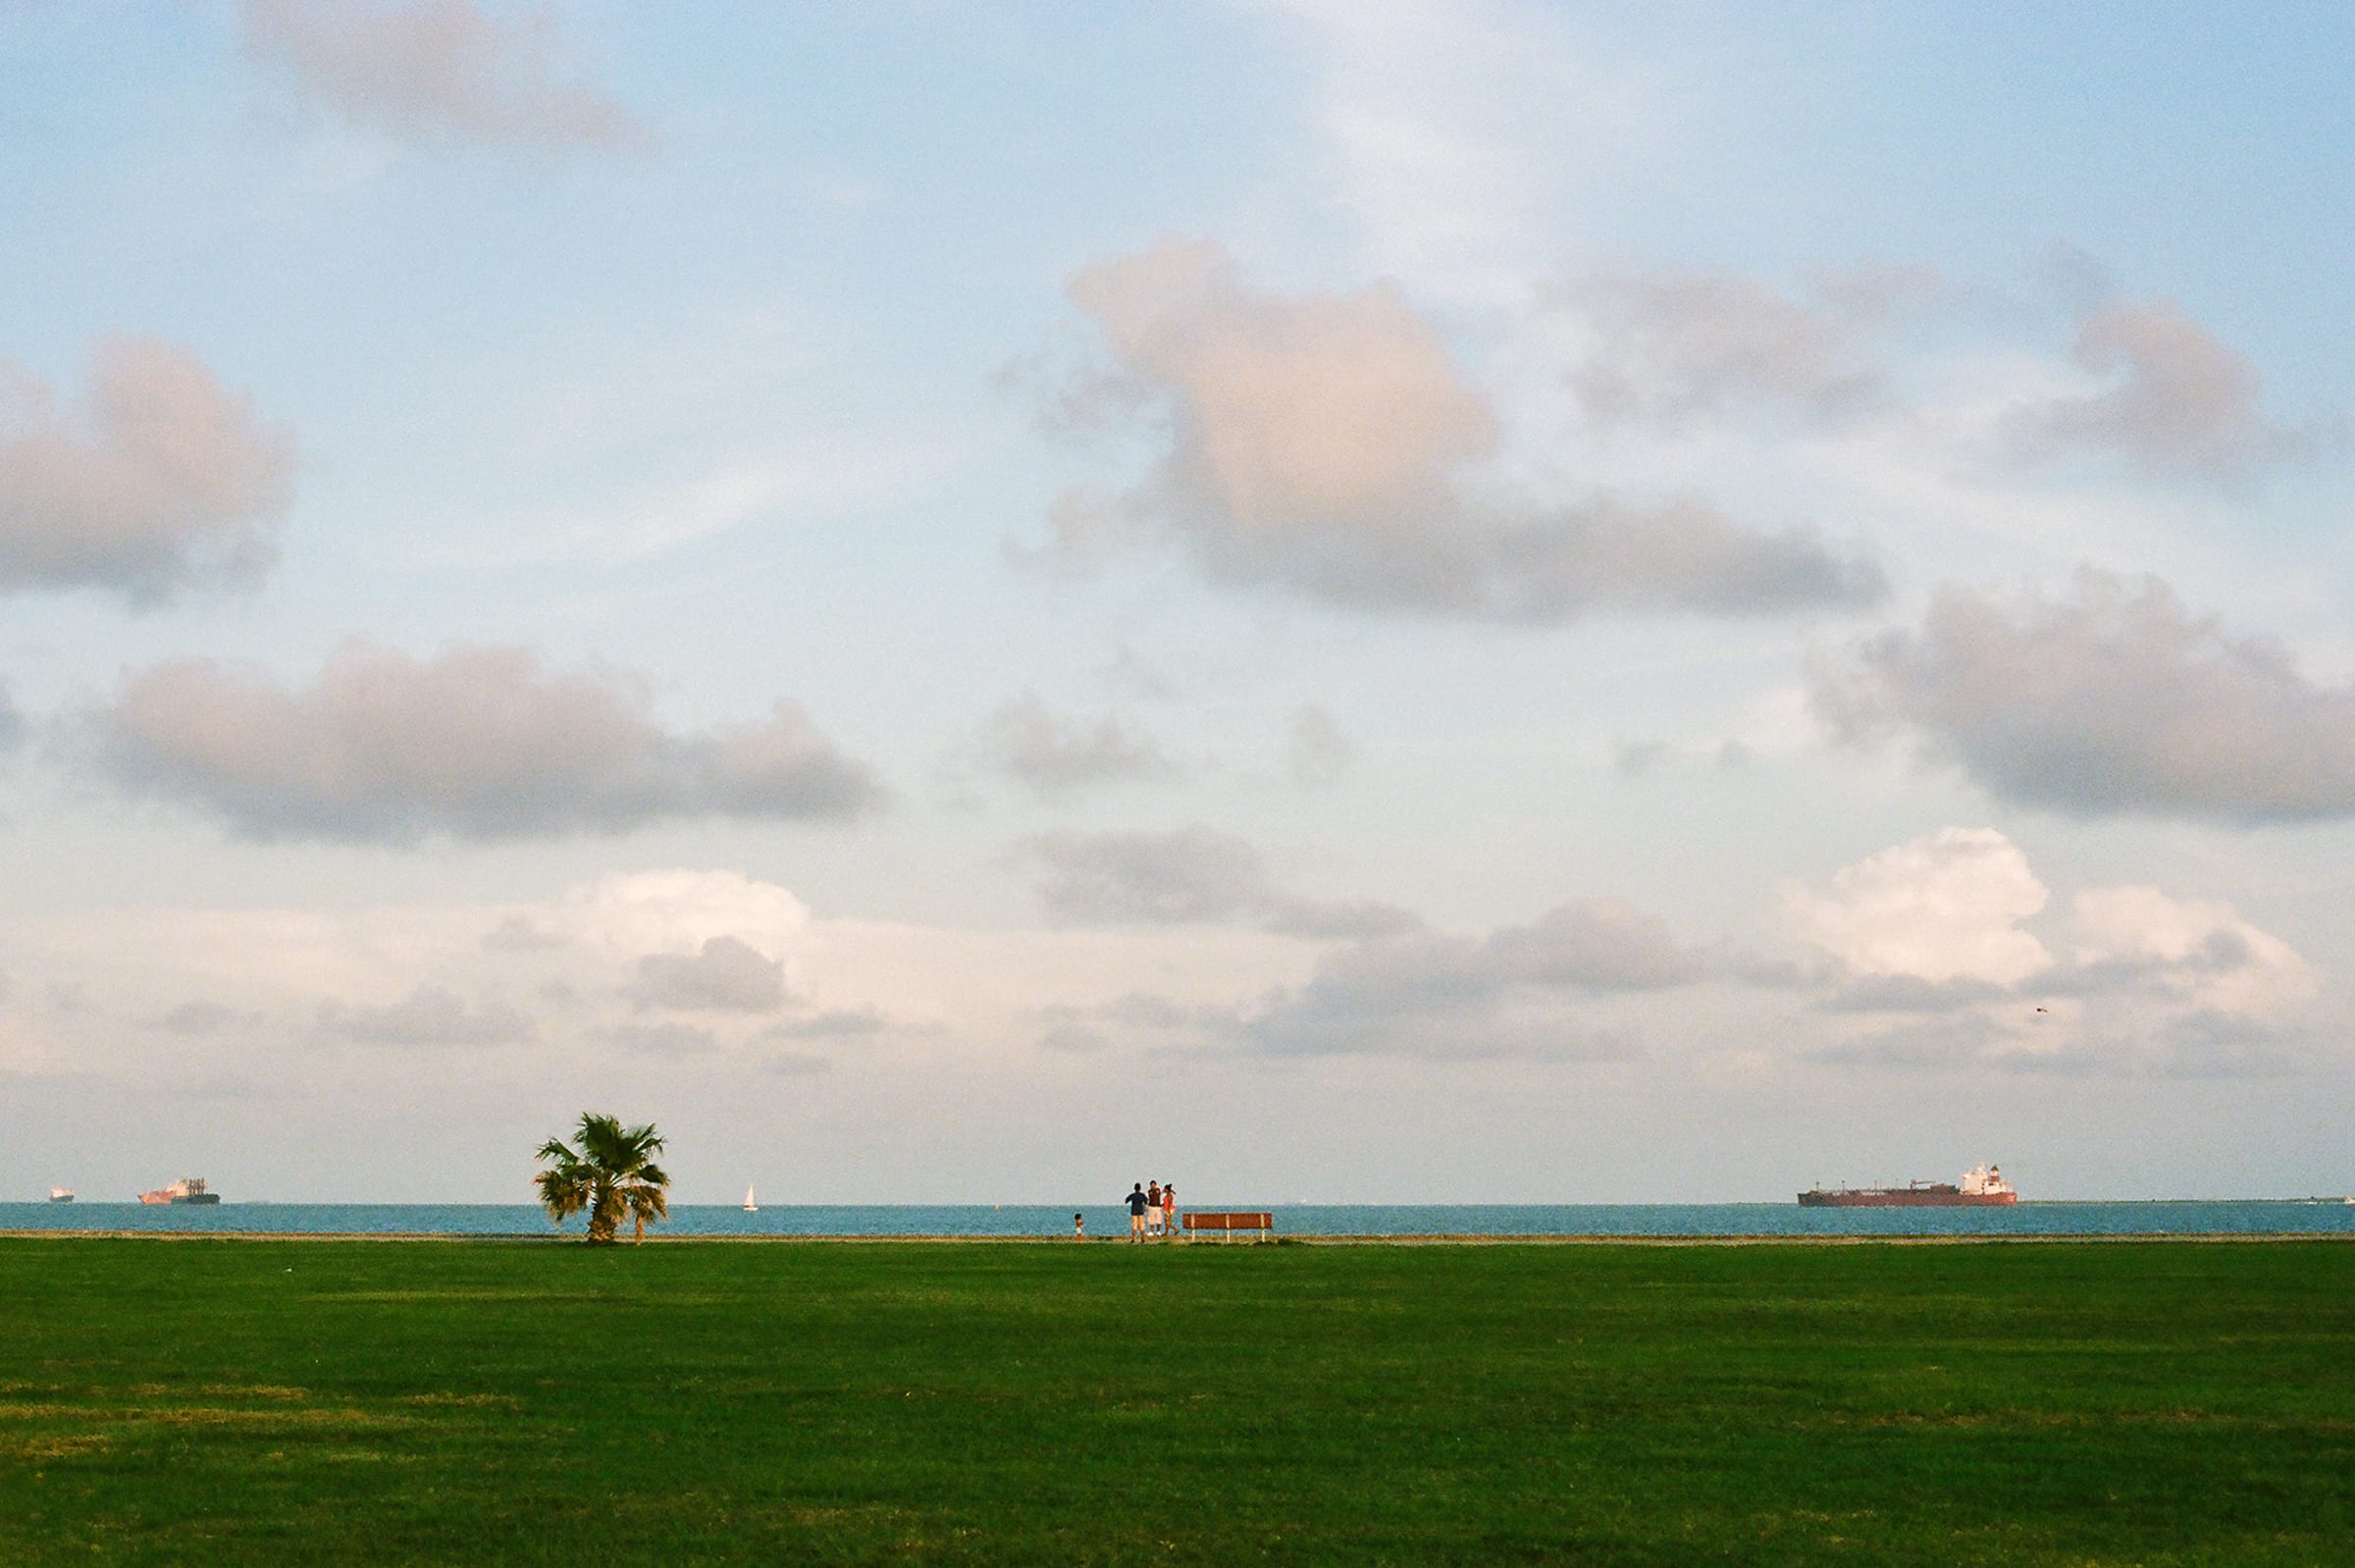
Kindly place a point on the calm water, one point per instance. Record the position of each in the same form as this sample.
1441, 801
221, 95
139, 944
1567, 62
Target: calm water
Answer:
2251, 1218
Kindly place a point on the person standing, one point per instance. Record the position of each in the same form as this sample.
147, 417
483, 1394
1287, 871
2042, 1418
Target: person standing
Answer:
1153, 1209
1168, 1210
1136, 1214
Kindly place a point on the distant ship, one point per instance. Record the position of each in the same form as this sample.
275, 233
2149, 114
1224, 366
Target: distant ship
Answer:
187, 1189
750, 1207
1982, 1188
61, 1194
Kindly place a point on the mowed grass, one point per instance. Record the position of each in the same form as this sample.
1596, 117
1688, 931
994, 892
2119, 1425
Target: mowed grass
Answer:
471, 1403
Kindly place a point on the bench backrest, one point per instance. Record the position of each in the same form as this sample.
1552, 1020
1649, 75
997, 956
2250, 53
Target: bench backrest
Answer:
1214, 1220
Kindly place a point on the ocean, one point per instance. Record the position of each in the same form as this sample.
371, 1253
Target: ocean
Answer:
2254, 1217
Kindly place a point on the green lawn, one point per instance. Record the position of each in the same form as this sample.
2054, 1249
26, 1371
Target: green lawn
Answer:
243, 1402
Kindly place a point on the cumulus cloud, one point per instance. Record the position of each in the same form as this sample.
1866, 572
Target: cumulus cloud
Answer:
2198, 950
2116, 701
1932, 934
440, 72
1051, 754
1189, 875
1326, 444
1938, 909
2179, 400
1427, 994
724, 975
643, 910
429, 1014
164, 479
476, 743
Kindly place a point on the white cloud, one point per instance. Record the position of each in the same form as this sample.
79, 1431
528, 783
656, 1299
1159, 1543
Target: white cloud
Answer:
1939, 909
1292, 408
2120, 700
724, 975
642, 909
477, 742
2177, 399
1922, 386
441, 73
277, 984
1328, 445
2200, 950
1932, 955
165, 481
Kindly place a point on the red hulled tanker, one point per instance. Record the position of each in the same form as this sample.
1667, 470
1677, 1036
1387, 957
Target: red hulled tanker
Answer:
1982, 1188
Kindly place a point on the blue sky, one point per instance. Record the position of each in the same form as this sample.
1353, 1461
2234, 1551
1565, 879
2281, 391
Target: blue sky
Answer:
1388, 600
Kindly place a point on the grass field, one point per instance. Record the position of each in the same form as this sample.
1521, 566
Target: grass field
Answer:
328, 1401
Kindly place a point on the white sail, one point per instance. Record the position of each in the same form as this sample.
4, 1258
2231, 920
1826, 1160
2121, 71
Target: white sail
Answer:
750, 1207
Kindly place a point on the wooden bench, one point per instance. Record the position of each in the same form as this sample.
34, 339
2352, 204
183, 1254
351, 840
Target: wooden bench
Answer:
1226, 1225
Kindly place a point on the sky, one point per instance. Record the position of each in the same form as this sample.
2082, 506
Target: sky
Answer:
1334, 600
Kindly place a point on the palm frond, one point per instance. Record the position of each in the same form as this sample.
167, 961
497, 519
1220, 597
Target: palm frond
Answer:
607, 1171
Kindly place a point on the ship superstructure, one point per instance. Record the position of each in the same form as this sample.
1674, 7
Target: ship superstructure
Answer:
187, 1189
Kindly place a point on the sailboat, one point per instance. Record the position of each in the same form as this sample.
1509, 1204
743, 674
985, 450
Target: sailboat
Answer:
750, 1207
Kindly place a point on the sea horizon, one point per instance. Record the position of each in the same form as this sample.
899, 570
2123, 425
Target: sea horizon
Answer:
2155, 1217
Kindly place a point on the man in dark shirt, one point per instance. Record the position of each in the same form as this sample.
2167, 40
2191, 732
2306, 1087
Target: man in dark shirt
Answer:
1136, 1211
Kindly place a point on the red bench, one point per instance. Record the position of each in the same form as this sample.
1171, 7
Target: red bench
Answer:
1227, 1223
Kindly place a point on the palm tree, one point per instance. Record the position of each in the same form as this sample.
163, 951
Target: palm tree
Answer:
611, 1171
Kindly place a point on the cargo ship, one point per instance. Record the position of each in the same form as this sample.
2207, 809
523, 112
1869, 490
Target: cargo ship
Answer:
1982, 1188
61, 1194
187, 1189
